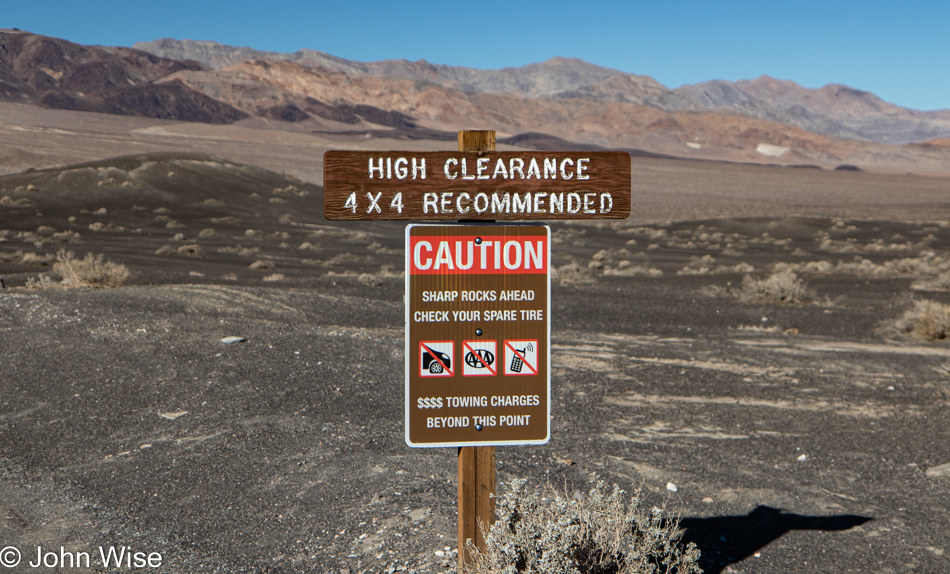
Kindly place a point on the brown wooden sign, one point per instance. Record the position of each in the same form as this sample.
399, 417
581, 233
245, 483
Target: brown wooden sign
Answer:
477, 335
486, 185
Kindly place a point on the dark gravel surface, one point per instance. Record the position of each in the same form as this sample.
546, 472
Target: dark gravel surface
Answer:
125, 420
790, 438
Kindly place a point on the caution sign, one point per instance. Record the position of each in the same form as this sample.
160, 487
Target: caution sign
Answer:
477, 331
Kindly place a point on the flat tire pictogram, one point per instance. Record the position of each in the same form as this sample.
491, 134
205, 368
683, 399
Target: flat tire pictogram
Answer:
437, 358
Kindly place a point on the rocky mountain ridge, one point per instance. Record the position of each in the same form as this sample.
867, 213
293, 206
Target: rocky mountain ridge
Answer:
833, 110
563, 102
552, 78
58, 74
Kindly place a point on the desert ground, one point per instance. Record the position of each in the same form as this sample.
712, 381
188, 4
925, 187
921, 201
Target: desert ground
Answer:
806, 435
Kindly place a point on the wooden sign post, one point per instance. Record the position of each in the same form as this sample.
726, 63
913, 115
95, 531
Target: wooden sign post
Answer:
476, 487
478, 294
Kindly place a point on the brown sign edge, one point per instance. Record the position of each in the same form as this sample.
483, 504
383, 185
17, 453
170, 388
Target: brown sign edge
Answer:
408, 405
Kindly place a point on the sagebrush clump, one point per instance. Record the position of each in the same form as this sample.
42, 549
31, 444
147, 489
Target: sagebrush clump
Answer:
572, 273
605, 532
783, 287
92, 271
926, 320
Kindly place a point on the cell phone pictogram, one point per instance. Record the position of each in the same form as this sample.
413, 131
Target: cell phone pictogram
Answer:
521, 357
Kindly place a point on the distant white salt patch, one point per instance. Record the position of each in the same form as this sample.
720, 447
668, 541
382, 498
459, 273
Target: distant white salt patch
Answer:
694, 145
772, 150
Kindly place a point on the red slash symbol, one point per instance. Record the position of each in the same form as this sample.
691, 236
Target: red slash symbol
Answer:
520, 355
480, 359
435, 357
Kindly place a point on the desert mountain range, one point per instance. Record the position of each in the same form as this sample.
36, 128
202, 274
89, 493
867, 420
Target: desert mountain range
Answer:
833, 110
559, 103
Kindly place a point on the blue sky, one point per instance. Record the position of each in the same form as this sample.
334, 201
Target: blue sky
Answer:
898, 50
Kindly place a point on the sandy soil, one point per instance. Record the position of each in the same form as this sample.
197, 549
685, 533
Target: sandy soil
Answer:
798, 437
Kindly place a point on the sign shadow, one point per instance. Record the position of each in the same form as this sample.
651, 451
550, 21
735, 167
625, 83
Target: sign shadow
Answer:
725, 540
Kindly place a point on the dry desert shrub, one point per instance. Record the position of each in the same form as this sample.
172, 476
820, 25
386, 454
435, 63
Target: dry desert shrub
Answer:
43, 281
240, 250
8, 201
377, 247
605, 532
783, 287
627, 269
342, 259
924, 320
704, 266
390, 270
92, 271
66, 236
566, 234
261, 264
191, 250
11, 256
850, 245
698, 266
616, 262
337, 260
939, 283
572, 273
369, 279
31, 258
289, 190
927, 264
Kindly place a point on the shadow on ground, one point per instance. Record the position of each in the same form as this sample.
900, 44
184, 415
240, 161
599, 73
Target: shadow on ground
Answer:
725, 540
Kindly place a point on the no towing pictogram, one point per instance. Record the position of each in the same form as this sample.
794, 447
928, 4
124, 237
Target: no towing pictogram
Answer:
480, 358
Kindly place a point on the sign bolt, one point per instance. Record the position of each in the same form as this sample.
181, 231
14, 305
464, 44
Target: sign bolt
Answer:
478, 332
478, 427
478, 241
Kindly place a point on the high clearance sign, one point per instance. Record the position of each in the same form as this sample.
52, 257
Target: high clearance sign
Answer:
473, 186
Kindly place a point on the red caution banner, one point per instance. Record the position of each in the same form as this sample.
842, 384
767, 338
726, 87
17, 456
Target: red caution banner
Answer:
477, 255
